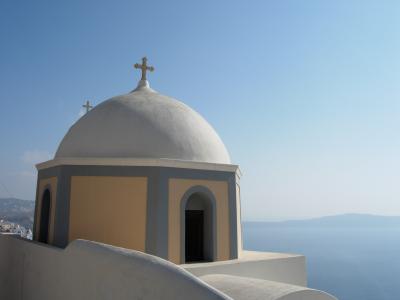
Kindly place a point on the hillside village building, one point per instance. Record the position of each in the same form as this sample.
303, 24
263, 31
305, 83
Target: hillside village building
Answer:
145, 172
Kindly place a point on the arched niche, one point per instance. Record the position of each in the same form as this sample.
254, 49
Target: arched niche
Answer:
44, 223
198, 226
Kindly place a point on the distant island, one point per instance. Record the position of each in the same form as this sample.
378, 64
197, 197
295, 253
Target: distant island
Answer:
336, 221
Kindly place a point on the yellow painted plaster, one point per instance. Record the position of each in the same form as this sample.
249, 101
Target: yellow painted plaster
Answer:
177, 188
110, 210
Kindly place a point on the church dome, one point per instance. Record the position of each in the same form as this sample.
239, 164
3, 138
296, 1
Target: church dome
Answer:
143, 124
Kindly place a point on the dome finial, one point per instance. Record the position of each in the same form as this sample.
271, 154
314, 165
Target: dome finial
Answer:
87, 106
144, 68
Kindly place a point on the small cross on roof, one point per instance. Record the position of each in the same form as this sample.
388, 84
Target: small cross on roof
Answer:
144, 68
87, 106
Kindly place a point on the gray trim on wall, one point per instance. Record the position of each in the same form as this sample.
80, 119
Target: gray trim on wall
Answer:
60, 235
153, 194
62, 212
157, 205
162, 215
232, 218
34, 235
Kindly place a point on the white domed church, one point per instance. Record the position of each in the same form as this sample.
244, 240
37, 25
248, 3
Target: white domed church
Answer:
141, 201
146, 172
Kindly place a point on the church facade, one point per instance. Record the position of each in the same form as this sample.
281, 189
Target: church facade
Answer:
142, 171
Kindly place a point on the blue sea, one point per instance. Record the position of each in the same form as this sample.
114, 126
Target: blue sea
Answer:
350, 263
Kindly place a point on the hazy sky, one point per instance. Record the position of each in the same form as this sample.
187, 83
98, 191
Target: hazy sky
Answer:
305, 94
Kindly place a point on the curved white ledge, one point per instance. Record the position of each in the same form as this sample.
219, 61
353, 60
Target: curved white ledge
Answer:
139, 162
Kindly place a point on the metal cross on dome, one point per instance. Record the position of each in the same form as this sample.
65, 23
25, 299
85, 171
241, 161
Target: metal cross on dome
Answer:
87, 106
144, 68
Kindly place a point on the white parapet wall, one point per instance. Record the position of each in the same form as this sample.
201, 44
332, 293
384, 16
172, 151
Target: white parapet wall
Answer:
282, 267
245, 288
89, 270
260, 275
94, 271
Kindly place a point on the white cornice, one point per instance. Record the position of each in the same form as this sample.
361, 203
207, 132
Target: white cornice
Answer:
139, 162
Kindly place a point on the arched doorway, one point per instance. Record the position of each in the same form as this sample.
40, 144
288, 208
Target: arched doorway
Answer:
45, 217
199, 227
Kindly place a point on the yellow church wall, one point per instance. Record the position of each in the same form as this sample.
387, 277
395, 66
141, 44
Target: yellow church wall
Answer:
51, 184
177, 189
110, 210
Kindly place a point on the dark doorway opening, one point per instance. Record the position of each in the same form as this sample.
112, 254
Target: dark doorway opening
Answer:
198, 240
194, 235
44, 217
